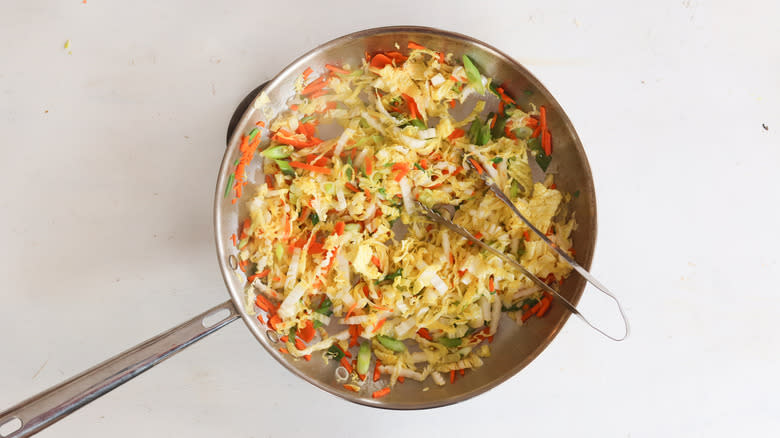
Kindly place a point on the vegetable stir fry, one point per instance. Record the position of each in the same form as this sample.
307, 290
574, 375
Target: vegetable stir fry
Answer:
332, 238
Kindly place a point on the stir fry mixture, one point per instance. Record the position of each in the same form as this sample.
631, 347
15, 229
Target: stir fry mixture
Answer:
333, 240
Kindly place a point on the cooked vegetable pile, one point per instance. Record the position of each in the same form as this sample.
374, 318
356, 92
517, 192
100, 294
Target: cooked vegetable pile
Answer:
332, 238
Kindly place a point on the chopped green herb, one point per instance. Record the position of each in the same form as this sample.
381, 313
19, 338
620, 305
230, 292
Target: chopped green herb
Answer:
391, 343
382, 191
285, 167
522, 132
418, 123
363, 358
498, 128
277, 152
253, 134
326, 307
542, 159
279, 251
528, 93
348, 172
229, 184
335, 352
314, 218
307, 119
472, 73
514, 189
364, 124
417, 165
576, 194
497, 160
449, 342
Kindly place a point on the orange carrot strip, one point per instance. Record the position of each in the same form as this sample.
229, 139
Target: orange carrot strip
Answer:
351, 309
352, 187
531, 122
479, 168
307, 357
339, 228
423, 332
491, 286
307, 332
380, 61
414, 46
283, 350
335, 69
381, 393
401, 379
375, 261
462, 371
452, 376
349, 387
543, 117
458, 133
258, 275
304, 166
345, 363
307, 72
369, 164
424, 163
233, 238
413, 111
377, 374
493, 122
526, 236
379, 325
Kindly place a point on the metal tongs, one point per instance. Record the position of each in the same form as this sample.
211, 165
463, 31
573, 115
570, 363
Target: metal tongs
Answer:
438, 218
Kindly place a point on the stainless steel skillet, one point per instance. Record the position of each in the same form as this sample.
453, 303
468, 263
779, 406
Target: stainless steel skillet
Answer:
513, 348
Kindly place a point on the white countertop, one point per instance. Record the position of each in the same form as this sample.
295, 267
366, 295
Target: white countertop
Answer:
109, 156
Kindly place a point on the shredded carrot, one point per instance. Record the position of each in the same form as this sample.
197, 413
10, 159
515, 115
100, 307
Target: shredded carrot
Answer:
413, 111
401, 379
377, 374
352, 187
345, 363
309, 167
263, 303
462, 371
260, 318
369, 164
423, 332
553, 186
283, 350
351, 309
547, 301
452, 103
458, 170
339, 228
452, 259
527, 314
547, 142
493, 122
307, 332
479, 168
353, 388
273, 321
424, 163
531, 122
543, 117
379, 325
233, 238
335, 69
381, 393
307, 72
452, 376
258, 275
504, 97
414, 46
457, 133
307, 357
526, 236
491, 286
402, 169
299, 344
380, 60
269, 180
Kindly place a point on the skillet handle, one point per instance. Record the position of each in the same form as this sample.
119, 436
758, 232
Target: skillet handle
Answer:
42, 410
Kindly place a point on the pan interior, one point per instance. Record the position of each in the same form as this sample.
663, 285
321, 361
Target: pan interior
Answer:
513, 346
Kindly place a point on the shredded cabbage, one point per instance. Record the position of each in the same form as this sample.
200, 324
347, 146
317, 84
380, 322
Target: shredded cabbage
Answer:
324, 230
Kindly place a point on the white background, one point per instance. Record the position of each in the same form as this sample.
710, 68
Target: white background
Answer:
106, 231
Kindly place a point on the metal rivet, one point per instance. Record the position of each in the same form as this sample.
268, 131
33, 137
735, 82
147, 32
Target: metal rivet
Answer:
272, 336
233, 262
